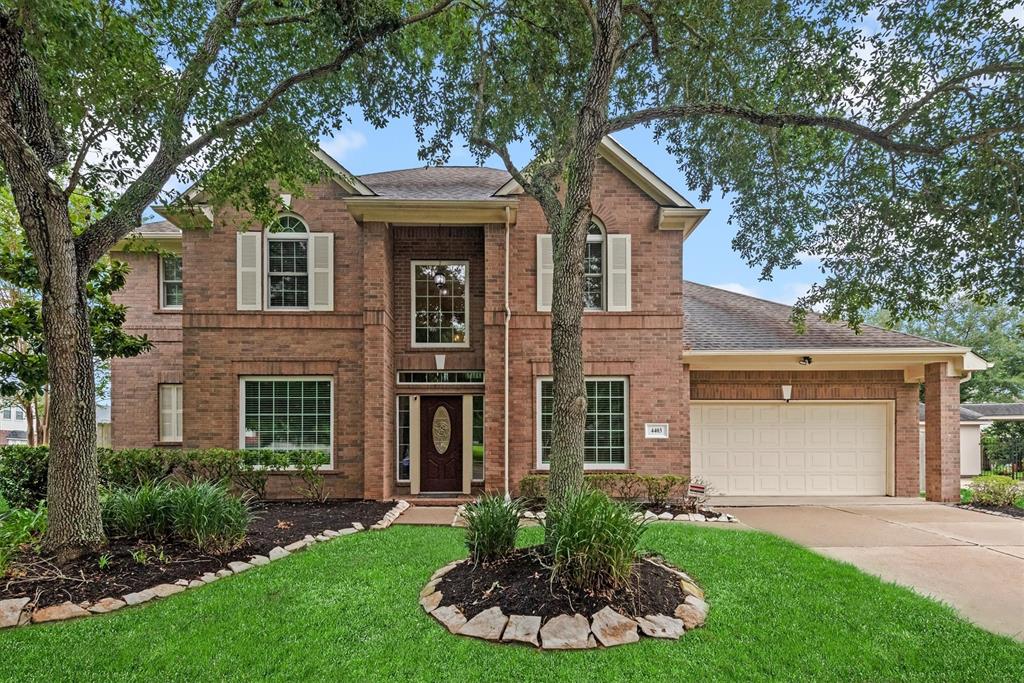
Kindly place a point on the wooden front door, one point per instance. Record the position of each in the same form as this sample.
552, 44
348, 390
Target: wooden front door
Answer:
441, 443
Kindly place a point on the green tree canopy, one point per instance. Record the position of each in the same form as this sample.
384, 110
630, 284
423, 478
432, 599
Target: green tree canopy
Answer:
994, 331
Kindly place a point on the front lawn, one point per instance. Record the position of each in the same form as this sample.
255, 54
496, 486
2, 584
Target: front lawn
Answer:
348, 610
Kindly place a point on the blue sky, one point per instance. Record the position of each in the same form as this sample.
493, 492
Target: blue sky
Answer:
708, 256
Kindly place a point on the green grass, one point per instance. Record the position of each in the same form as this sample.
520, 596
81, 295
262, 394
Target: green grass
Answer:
348, 611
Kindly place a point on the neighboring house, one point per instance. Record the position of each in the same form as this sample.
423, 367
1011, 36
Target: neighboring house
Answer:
998, 412
971, 424
13, 426
103, 429
389, 316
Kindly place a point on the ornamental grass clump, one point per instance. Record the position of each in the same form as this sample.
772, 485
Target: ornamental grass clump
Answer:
142, 511
209, 517
492, 523
593, 541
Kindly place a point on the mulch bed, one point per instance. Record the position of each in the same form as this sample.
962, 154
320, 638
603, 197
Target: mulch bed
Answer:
1012, 511
276, 524
521, 584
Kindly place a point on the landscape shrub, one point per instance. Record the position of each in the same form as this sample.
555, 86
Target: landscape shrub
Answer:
23, 469
19, 527
491, 527
996, 490
23, 475
625, 486
201, 513
206, 515
593, 541
142, 511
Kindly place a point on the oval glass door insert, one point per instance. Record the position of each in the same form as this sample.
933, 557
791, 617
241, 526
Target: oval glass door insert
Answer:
442, 430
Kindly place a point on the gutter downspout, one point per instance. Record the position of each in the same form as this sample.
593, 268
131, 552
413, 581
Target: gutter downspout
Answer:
508, 317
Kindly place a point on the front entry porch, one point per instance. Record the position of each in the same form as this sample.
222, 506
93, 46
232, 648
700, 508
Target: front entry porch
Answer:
440, 444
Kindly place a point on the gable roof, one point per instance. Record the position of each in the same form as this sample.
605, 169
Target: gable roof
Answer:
716, 320
966, 414
437, 182
997, 411
157, 230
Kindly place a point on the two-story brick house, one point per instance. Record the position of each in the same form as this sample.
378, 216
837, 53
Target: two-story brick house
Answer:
400, 322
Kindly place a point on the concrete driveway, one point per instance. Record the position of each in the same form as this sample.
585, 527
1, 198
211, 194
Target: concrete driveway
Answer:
971, 560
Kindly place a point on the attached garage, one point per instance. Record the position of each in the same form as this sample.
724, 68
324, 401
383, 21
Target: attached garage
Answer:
769, 448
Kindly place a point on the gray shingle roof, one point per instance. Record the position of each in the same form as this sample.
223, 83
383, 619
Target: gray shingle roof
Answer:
157, 229
997, 410
966, 414
437, 182
719, 320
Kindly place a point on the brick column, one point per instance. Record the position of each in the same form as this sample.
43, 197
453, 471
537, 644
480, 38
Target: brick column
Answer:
907, 445
378, 363
494, 357
942, 434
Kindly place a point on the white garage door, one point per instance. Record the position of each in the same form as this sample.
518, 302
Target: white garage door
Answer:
790, 449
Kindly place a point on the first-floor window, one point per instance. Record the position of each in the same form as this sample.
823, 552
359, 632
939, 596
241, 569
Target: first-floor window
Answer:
170, 413
478, 438
287, 414
403, 440
605, 435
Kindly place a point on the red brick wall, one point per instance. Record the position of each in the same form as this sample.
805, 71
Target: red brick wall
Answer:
941, 434
441, 243
811, 385
134, 402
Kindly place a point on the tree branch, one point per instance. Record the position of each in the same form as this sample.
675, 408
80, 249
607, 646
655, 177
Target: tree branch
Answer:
880, 138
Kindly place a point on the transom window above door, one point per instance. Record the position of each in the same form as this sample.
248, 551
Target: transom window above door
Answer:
440, 303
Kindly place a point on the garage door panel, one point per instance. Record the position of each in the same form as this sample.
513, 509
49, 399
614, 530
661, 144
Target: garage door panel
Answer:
791, 449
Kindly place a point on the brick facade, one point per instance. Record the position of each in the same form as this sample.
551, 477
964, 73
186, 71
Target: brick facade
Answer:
365, 340
941, 434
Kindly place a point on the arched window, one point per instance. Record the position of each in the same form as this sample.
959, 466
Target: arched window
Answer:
288, 263
593, 268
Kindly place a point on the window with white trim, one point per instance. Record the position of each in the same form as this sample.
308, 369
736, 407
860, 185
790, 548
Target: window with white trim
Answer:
7, 413
403, 440
593, 268
170, 413
440, 303
287, 414
288, 263
171, 292
606, 439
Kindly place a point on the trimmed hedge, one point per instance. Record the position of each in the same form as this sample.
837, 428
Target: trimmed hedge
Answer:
657, 490
23, 469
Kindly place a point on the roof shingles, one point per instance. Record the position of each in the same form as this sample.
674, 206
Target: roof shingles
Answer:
437, 182
719, 320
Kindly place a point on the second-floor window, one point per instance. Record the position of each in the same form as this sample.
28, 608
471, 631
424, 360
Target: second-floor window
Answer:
288, 264
593, 269
440, 303
171, 293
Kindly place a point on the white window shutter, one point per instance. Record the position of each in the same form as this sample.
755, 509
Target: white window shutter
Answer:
249, 271
545, 272
321, 271
620, 268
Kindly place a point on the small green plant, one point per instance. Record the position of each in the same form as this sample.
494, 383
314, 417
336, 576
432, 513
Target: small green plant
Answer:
662, 489
592, 541
19, 527
308, 464
104, 561
491, 527
139, 512
140, 556
996, 490
206, 515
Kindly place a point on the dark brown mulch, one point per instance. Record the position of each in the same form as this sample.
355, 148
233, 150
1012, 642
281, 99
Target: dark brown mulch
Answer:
1012, 511
521, 584
276, 524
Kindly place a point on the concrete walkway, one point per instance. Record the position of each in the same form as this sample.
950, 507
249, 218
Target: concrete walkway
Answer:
971, 560
427, 515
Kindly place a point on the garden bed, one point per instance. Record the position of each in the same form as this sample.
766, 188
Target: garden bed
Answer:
1007, 510
126, 566
520, 584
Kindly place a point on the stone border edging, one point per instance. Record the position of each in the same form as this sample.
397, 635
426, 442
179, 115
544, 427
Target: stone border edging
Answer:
987, 511
605, 628
723, 518
17, 611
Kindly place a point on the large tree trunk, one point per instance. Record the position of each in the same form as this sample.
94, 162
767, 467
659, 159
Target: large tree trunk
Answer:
30, 422
74, 525
568, 239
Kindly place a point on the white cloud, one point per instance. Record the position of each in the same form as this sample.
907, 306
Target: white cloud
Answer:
343, 142
792, 291
1015, 12
738, 288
